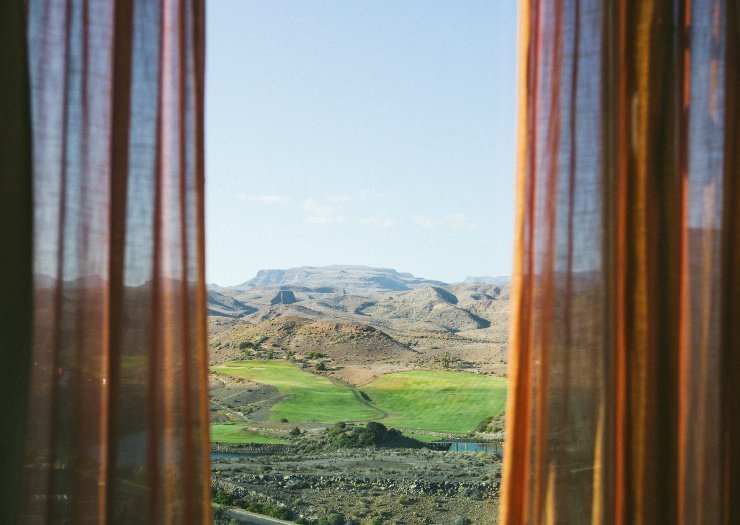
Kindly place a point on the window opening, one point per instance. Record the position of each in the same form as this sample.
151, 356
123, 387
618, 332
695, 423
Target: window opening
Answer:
359, 184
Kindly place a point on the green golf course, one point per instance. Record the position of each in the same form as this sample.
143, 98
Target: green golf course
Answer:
432, 400
309, 398
437, 400
233, 433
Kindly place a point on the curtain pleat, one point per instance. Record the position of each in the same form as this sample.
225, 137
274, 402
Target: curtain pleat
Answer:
118, 421
626, 324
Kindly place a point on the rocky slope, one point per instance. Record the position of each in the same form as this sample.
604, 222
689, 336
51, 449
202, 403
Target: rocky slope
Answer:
390, 316
346, 343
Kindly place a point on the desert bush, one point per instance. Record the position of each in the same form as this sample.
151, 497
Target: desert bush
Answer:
404, 500
342, 435
222, 498
218, 512
376, 428
483, 425
332, 519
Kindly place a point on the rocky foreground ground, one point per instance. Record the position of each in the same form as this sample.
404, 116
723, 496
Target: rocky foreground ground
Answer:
367, 485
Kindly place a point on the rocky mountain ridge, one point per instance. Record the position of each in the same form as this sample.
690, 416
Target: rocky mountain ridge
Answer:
390, 315
338, 278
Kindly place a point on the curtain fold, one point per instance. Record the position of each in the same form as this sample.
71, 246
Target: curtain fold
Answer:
626, 324
118, 419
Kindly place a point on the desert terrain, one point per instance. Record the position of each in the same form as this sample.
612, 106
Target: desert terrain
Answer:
349, 394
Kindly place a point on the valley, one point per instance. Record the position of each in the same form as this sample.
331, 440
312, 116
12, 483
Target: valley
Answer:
301, 356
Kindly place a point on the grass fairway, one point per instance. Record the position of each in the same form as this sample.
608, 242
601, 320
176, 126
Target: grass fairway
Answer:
309, 398
438, 401
235, 433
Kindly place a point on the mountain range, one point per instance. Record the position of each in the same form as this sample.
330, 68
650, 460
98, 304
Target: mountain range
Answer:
361, 314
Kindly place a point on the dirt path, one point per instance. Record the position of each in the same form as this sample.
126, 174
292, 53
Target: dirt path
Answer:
236, 414
382, 413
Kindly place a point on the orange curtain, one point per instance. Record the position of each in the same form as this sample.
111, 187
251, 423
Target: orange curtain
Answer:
625, 366
118, 421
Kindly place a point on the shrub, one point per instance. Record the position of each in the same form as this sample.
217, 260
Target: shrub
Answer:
276, 511
484, 425
295, 431
342, 435
222, 498
376, 428
320, 365
245, 344
284, 420
332, 519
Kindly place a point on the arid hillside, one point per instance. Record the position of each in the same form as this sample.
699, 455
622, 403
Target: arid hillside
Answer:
363, 318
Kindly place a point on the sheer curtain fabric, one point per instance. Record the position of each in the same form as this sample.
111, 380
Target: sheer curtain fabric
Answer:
626, 329
117, 428
626, 333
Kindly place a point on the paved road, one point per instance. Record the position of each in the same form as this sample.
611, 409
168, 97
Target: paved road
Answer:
250, 518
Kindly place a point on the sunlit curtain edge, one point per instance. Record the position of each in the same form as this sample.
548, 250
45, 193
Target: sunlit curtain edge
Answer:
632, 481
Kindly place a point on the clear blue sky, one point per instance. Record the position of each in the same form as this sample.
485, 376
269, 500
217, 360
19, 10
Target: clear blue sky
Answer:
368, 132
